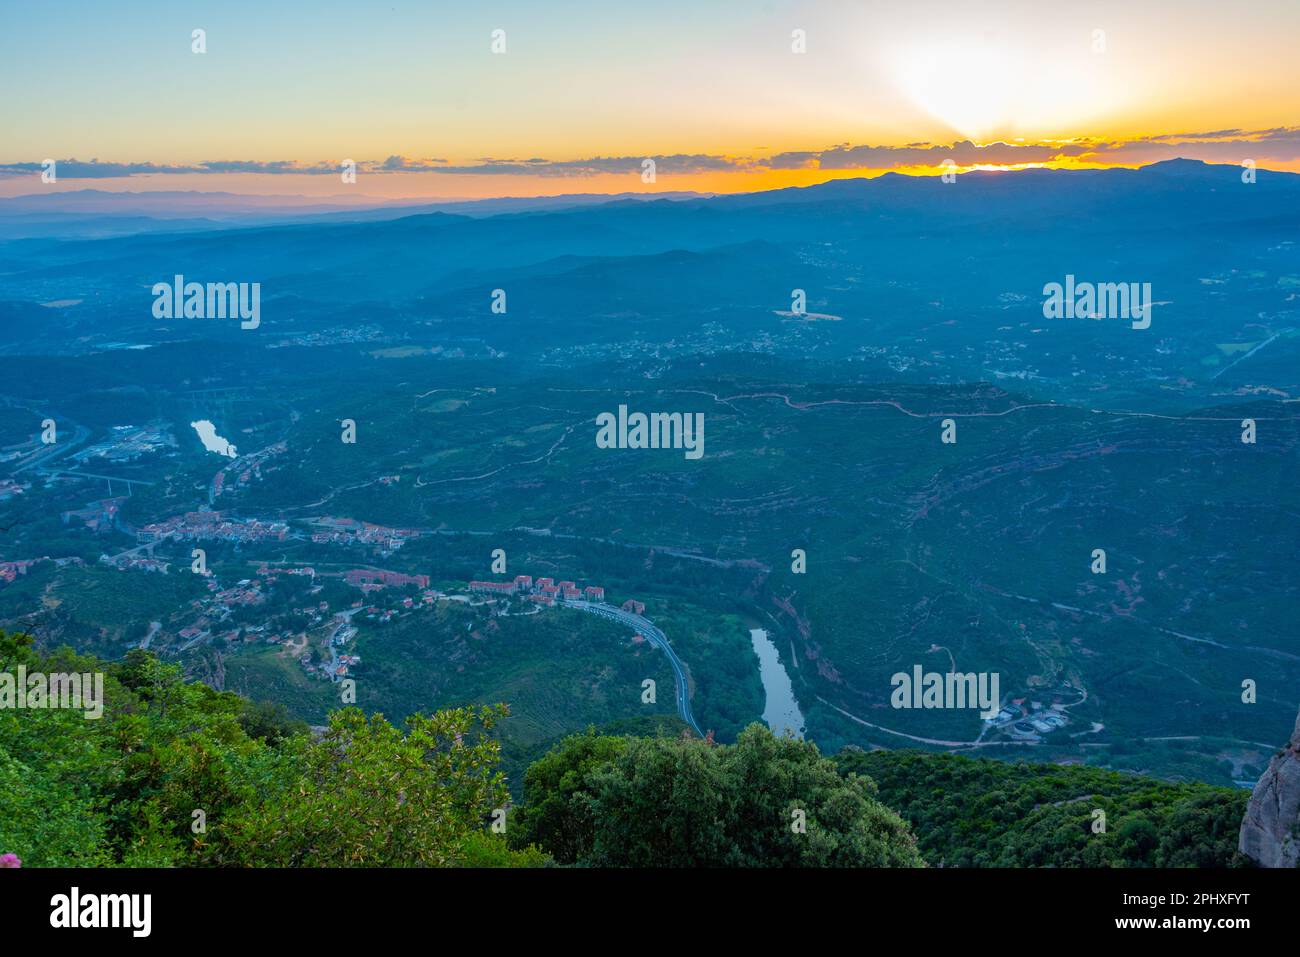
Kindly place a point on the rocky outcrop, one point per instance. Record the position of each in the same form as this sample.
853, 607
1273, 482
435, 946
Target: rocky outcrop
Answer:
1270, 832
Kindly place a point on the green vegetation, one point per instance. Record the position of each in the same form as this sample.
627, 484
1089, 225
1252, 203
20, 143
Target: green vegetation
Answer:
176, 774
727, 692
682, 802
973, 556
560, 670
822, 436
970, 812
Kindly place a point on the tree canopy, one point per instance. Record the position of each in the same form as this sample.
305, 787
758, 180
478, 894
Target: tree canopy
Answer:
177, 774
672, 802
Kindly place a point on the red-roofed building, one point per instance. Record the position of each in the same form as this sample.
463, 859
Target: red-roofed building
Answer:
595, 593
634, 606
365, 576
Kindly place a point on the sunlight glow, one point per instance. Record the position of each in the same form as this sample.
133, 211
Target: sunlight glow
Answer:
982, 92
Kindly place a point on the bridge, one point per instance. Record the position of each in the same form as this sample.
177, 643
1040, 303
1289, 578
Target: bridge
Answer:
110, 479
146, 547
646, 628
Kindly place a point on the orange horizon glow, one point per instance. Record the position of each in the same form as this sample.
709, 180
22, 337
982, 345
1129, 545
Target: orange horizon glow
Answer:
869, 90
452, 187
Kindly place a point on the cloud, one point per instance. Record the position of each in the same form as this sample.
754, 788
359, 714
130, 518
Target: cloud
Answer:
1279, 144
486, 166
94, 169
255, 166
400, 164
677, 163
962, 153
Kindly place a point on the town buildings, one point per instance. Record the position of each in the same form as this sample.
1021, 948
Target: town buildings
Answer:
212, 526
369, 578
543, 591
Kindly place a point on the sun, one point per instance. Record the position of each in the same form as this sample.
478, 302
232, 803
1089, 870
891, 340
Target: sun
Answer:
969, 88
984, 91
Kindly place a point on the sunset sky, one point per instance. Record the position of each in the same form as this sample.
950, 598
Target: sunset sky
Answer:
586, 90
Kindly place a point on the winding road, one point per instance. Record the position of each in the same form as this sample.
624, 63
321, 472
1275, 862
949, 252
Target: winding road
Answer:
646, 628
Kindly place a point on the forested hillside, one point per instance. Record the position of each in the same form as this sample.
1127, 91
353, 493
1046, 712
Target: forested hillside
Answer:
969, 812
177, 774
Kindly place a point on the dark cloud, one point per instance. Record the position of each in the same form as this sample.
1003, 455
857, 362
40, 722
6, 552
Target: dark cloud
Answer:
93, 169
487, 166
595, 166
1279, 144
255, 166
400, 164
962, 153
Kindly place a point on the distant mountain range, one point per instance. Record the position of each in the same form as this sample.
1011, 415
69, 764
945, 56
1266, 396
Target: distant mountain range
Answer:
959, 266
94, 213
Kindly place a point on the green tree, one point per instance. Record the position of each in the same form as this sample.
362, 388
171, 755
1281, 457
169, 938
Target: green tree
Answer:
970, 812
369, 794
673, 802
557, 811
132, 787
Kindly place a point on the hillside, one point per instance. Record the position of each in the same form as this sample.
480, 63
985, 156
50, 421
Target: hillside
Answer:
970, 812
176, 774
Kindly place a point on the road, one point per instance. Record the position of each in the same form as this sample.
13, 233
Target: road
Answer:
144, 547
49, 453
154, 628
647, 629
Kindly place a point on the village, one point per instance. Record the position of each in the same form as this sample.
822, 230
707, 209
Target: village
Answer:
255, 609
289, 607
297, 606
1029, 718
544, 591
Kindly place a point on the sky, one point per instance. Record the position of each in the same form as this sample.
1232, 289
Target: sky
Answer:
714, 91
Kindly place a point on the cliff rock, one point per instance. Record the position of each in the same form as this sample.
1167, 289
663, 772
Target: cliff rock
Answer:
1270, 831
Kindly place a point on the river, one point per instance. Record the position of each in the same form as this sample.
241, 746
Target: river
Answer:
781, 710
